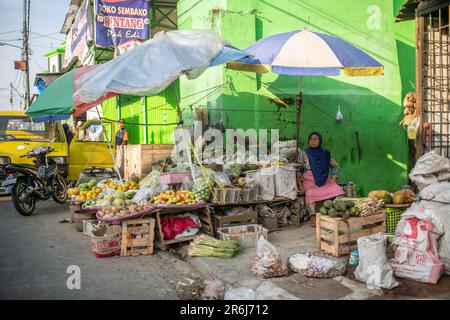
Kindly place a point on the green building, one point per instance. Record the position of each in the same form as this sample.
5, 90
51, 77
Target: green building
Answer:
369, 145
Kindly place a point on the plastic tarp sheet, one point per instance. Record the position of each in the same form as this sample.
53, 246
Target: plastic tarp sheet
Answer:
151, 67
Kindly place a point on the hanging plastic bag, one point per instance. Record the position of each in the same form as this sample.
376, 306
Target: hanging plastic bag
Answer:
339, 116
413, 128
268, 262
373, 268
221, 179
151, 180
188, 184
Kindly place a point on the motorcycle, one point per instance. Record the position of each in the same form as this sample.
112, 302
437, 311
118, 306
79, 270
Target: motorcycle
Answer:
28, 184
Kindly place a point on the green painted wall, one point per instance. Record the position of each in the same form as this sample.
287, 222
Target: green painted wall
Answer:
371, 105
162, 116
159, 112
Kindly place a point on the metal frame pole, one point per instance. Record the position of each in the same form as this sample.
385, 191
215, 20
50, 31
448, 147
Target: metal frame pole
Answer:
299, 110
109, 144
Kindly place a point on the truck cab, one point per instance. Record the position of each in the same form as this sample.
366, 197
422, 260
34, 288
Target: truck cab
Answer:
88, 149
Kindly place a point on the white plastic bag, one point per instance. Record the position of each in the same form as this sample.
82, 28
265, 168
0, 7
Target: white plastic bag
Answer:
373, 268
221, 179
188, 184
151, 180
339, 116
268, 262
286, 182
317, 266
265, 180
240, 294
413, 128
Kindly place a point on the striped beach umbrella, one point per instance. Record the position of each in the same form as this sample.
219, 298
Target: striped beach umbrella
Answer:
306, 53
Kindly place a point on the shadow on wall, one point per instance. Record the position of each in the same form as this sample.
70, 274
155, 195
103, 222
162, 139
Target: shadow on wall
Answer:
380, 159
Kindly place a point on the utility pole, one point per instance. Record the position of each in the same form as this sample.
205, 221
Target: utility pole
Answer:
25, 50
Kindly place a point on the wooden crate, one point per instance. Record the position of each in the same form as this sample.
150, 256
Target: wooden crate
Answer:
338, 236
270, 223
202, 213
137, 160
246, 218
137, 237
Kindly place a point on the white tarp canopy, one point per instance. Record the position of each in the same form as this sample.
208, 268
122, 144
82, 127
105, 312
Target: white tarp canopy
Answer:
152, 66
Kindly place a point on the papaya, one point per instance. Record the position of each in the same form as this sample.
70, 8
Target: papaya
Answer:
399, 199
407, 194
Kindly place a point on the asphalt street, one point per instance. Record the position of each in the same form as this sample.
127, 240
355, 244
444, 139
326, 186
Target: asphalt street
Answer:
36, 252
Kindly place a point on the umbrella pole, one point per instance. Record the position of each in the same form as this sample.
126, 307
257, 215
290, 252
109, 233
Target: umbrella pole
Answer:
299, 109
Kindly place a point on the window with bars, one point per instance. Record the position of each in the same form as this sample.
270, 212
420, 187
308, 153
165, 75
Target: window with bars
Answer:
436, 80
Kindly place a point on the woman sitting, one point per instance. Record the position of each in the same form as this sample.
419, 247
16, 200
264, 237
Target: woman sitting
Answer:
317, 182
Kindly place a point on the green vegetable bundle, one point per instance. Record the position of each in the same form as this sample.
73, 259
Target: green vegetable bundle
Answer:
206, 246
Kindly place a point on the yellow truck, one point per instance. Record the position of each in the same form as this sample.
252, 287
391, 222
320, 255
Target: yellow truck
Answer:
88, 149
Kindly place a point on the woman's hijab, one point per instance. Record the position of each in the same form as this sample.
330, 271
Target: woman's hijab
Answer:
319, 161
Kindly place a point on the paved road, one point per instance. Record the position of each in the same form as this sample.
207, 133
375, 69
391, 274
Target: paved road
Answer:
36, 251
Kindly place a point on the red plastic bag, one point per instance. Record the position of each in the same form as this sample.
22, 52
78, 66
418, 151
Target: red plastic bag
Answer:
173, 226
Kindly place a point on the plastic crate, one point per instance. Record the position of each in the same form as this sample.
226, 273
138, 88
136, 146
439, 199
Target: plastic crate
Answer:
249, 239
218, 196
393, 216
229, 196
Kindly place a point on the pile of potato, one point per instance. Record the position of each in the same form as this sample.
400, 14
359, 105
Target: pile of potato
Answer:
110, 212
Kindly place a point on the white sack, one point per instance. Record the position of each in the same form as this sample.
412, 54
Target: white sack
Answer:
416, 256
430, 168
440, 192
373, 268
